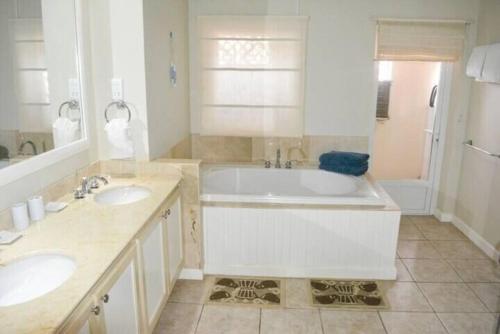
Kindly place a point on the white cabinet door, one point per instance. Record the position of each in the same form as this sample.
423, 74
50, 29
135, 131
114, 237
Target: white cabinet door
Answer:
154, 270
175, 247
85, 328
120, 304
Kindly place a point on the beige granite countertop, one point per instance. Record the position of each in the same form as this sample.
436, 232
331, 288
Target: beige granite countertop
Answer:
92, 234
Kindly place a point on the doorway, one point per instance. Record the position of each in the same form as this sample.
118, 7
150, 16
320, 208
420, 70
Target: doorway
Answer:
406, 148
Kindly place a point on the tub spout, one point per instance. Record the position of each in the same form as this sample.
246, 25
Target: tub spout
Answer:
278, 159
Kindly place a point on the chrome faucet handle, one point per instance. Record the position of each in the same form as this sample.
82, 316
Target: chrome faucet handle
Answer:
85, 188
78, 194
93, 181
94, 184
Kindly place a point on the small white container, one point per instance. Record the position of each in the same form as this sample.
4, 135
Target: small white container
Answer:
20, 217
36, 208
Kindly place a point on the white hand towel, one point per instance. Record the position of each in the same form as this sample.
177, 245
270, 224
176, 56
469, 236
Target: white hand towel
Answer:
491, 68
65, 131
120, 143
476, 61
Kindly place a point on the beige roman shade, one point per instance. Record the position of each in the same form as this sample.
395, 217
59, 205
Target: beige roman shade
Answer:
252, 73
419, 40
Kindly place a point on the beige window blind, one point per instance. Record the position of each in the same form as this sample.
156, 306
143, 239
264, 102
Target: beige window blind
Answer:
419, 40
252, 75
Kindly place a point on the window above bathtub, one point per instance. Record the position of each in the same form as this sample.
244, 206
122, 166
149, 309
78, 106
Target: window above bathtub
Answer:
252, 73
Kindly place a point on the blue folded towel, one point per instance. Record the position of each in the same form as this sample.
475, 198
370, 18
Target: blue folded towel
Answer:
345, 158
350, 163
346, 169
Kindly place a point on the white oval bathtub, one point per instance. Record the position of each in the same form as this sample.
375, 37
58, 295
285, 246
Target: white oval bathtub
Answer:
285, 186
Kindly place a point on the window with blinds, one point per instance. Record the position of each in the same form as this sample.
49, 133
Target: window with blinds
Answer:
419, 40
252, 75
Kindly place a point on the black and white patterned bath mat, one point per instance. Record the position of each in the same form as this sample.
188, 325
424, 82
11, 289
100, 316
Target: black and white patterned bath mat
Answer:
357, 294
246, 291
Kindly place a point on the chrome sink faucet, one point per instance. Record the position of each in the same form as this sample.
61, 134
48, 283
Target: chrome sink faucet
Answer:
89, 183
278, 159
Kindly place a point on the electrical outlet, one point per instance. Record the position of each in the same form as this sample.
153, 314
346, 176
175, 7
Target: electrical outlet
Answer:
117, 89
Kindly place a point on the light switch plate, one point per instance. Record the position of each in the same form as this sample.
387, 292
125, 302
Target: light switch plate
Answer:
117, 89
74, 89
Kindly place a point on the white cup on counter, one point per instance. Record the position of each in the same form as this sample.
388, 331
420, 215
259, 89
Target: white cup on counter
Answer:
20, 216
36, 208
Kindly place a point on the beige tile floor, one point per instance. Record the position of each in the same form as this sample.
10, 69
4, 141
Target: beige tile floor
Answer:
444, 285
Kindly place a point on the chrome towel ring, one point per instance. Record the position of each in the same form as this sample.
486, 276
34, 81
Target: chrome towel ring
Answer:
120, 105
72, 105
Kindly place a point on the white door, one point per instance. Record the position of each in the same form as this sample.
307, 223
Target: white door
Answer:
416, 194
154, 270
175, 248
120, 305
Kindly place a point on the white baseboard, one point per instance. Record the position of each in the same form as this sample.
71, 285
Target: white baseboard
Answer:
443, 217
382, 273
192, 274
478, 240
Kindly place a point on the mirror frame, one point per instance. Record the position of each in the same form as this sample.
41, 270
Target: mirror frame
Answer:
36, 163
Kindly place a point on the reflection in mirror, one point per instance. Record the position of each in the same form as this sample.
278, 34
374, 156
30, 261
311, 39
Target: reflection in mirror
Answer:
39, 81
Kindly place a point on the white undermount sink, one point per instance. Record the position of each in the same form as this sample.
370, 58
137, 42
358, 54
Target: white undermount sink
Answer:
122, 195
33, 276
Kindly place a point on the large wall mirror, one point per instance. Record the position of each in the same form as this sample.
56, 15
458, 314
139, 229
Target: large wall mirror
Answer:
40, 87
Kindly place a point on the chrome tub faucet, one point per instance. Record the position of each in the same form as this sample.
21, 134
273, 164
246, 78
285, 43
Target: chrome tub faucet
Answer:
278, 159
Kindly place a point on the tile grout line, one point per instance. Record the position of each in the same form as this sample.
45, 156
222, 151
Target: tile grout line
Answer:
447, 261
442, 323
321, 321
181, 302
199, 318
477, 296
260, 320
382, 322
435, 312
408, 270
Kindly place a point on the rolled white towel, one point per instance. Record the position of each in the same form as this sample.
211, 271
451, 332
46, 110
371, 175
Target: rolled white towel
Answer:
476, 61
491, 68
65, 131
120, 142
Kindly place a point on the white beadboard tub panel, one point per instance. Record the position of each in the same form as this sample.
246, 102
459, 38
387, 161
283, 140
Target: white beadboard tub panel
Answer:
300, 242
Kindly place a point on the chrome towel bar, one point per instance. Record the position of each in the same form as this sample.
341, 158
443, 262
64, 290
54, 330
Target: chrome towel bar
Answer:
468, 143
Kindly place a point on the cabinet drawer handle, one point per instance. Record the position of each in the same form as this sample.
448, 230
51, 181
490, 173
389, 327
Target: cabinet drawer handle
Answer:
96, 310
105, 298
165, 214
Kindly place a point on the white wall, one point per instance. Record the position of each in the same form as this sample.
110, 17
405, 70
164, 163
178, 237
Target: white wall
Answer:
168, 106
127, 52
479, 185
130, 41
340, 88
